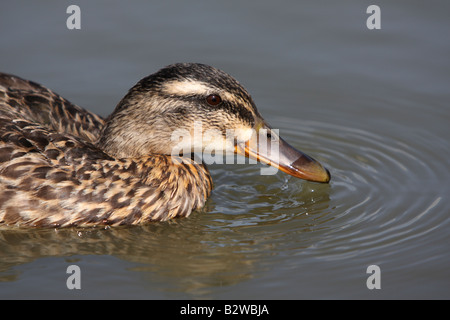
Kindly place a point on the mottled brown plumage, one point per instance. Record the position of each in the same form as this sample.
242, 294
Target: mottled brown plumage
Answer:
61, 165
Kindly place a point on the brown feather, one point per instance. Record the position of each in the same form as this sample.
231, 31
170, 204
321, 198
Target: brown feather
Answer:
52, 173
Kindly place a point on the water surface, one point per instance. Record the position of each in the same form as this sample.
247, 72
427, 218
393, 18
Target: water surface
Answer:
371, 105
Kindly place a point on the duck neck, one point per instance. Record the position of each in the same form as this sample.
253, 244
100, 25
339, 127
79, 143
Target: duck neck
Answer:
181, 185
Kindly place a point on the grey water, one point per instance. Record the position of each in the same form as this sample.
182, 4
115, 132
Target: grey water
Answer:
371, 105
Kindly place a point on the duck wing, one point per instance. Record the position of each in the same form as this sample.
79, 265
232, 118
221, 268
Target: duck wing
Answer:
24, 99
46, 144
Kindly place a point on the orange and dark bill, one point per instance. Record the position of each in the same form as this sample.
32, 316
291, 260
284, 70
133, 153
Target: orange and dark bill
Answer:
277, 153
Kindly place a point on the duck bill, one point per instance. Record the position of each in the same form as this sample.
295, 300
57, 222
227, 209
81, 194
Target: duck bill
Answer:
267, 147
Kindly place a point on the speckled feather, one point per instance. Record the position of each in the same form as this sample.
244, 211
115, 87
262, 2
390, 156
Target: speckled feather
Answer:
52, 173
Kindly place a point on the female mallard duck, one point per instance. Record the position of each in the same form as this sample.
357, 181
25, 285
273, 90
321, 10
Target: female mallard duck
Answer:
61, 165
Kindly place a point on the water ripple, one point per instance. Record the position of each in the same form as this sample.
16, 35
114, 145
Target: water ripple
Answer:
386, 203
384, 194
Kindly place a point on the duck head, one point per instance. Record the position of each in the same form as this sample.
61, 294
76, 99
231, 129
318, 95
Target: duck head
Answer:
189, 107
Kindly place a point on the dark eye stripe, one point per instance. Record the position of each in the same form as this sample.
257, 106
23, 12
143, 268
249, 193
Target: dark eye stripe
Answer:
233, 108
239, 111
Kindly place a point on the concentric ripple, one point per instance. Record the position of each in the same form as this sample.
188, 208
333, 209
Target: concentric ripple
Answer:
387, 190
388, 187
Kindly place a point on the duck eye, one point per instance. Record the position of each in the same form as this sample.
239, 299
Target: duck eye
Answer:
213, 99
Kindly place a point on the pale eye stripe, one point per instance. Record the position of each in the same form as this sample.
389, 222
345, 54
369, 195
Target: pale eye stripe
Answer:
190, 87
185, 87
